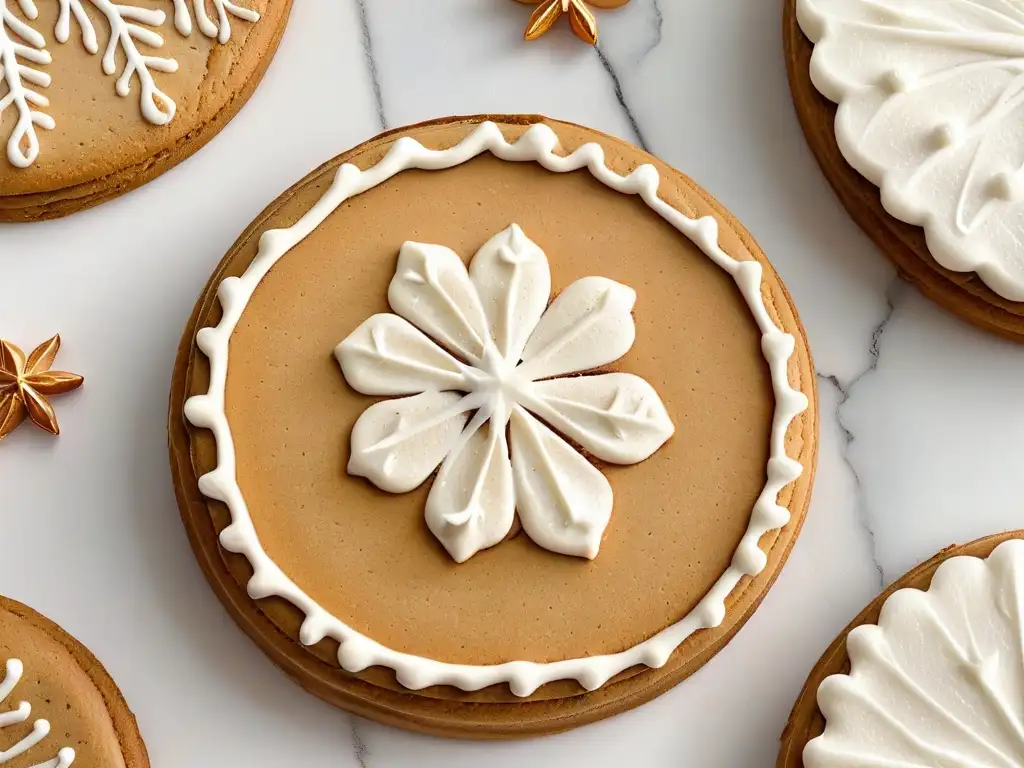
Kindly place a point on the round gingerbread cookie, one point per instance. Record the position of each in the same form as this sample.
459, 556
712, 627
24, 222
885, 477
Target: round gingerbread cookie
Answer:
58, 705
98, 97
517, 428
930, 673
913, 112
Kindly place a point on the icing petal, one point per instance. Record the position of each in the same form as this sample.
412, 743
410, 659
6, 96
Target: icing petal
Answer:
589, 325
386, 355
472, 502
564, 502
617, 417
396, 444
512, 277
432, 290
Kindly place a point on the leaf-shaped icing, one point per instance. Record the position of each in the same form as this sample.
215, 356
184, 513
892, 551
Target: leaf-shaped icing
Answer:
590, 324
397, 444
470, 506
431, 289
386, 355
939, 681
564, 502
617, 417
931, 101
513, 280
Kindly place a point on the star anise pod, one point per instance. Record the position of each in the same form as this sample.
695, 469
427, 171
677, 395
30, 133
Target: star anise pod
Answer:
25, 384
582, 21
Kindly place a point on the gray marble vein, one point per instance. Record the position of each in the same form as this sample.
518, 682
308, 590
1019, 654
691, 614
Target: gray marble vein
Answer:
371, 64
621, 98
657, 21
846, 391
359, 749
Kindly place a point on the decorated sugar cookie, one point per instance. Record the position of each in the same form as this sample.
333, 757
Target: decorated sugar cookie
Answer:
58, 706
516, 428
921, 100
98, 97
931, 673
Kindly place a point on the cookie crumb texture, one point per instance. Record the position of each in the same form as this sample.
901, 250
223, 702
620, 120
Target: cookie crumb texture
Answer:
58, 705
97, 97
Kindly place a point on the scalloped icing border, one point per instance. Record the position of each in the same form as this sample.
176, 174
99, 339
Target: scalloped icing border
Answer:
357, 652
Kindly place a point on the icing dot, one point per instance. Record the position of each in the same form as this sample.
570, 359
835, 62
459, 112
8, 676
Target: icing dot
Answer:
212, 484
196, 410
712, 613
591, 679
784, 470
945, 135
522, 685
896, 81
354, 656
654, 658
777, 344
1004, 186
751, 560
260, 587
646, 176
233, 539
313, 630
207, 340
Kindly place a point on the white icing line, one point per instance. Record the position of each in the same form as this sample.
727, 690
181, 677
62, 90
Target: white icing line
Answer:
14, 669
358, 652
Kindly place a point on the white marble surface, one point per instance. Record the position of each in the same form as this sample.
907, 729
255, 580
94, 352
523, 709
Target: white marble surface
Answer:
921, 423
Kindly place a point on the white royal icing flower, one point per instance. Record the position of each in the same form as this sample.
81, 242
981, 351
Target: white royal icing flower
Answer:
931, 100
475, 352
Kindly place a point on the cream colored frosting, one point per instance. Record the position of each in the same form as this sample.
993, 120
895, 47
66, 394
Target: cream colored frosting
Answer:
496, 317
931, 110
939, 681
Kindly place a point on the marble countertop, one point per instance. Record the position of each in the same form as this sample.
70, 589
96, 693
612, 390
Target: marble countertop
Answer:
921, 418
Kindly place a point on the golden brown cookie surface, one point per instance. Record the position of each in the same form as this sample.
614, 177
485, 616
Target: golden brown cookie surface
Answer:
71, 711
189, 70
962, 293
369, 557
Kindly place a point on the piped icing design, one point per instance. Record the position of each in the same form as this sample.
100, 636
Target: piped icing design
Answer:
20, 714
131, 36
939, 680
357, 652
510, 351
931, 110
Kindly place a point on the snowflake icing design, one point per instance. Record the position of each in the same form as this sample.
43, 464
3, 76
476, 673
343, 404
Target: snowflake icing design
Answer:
472, 355
931, 100
23, 53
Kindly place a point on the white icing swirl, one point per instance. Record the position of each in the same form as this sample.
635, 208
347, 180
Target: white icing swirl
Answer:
356, 652
931, 101
40, 728
494, 316
939, 681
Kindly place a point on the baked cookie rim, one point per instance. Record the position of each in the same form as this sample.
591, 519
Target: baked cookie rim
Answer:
773, 288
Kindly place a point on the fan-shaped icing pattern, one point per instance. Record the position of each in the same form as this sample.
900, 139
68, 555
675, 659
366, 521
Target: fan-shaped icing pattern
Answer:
939, 681
931, 101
